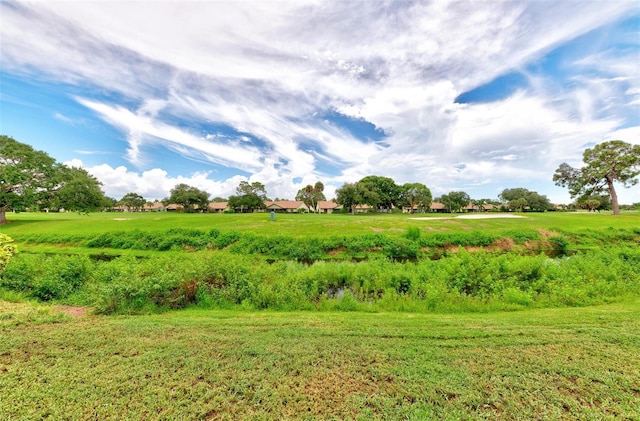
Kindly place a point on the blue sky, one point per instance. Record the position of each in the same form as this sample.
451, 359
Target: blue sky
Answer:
472, 96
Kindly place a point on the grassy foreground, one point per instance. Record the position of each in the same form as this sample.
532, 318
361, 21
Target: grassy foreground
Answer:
569, 363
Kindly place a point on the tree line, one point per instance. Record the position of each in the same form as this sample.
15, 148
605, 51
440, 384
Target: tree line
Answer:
31, 179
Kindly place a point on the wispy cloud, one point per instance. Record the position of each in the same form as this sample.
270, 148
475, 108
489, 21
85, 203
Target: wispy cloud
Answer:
253, 78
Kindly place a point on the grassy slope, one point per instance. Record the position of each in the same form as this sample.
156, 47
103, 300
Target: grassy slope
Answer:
540, 364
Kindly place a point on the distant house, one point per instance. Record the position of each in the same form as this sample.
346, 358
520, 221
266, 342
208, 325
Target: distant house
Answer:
471, 208
438, 207
327, 206
218, 207
288, 206
173, 208
362, 208
153, 207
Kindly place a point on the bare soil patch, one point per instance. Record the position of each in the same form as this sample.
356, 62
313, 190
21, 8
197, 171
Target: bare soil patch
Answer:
73, 311
473, 216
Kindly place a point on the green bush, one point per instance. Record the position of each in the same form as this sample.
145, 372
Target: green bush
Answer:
47, 277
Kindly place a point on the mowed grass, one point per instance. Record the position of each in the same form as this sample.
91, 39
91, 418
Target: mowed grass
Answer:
306, 225
538, 364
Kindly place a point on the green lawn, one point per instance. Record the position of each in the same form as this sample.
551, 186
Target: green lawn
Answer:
306, 225
571, 363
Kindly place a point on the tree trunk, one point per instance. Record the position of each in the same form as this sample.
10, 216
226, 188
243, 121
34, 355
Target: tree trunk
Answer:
3, 217
614, 197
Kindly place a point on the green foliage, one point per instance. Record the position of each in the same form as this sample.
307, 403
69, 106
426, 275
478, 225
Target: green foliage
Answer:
46, 277
133, 201
188, 197
413, 233
416, 196
249, 196
7, 250
463, 281
311, 195
521, 198
455, 201
32, 179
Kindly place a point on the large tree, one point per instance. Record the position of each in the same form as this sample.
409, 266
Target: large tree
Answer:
416, 196
188, 197
605, 164
311, 195
78, 191
347, 196
133, 201
379, 192
32, 179
520, 198
249, 196
455, 200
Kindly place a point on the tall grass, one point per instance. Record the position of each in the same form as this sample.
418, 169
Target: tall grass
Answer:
463, 281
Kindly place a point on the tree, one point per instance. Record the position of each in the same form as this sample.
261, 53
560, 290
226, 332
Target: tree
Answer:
249, 196
596, 202
455, 201
30, 178
188, 197
379, 192
416, 196
518, 204
79, 191
347, 196
133, 201
311, 195
521, 198
605, 164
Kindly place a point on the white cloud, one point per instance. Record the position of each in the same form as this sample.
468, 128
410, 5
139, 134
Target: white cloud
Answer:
265, 74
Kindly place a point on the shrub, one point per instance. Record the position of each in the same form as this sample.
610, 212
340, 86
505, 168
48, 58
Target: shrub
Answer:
47, 278
7, 250
413, 233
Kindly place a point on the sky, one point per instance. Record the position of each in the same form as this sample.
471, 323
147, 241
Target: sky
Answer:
474, 96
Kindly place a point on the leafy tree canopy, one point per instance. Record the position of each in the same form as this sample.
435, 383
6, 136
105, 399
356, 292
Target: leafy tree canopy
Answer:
30, 178
79, 191
455, 200
379, 192
188, 197
416, 196
521, 198
311, 195
132, 201
347, 196
249, 196
604, 164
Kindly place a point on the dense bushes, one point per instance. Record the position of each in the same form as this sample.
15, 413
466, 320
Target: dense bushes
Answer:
462, 281
44, 277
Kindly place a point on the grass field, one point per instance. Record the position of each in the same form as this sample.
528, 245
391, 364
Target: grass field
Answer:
306, 225
418, 339
540, 364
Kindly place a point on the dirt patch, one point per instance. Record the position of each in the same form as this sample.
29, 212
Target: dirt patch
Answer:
546, 233
472, 216
73, 311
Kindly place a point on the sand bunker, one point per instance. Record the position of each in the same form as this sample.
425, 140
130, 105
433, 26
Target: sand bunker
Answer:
473, 216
